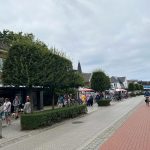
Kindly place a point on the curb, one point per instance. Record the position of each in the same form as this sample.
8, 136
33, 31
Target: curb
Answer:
38, 131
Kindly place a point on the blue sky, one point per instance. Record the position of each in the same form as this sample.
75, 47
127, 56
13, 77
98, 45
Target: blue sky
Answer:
112, 35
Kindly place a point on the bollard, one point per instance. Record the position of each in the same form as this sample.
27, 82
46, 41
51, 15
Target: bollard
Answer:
0, 128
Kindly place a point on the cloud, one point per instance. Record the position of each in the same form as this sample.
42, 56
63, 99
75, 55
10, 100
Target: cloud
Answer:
112, 35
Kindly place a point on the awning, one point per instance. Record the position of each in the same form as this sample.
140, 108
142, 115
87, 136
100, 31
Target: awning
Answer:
86, 90
120, 90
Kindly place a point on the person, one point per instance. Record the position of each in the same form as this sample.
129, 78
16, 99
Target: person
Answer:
60, 101
27, 106
1, 111
16, 104
7, 111
83, 98
65, 100
97, 98
146, 95
90, 101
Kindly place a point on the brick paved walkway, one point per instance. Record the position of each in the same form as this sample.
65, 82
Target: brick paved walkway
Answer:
134, 134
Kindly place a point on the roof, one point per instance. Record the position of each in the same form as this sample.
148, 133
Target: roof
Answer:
114, 79
122, 79
117, 79
86, 77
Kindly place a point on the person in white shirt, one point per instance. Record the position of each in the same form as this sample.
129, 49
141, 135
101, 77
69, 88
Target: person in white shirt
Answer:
27, 106
7, 111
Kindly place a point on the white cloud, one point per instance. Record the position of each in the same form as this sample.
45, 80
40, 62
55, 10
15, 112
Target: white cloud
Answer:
110, 34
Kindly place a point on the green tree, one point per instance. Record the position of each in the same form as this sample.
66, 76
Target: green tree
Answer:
137, 86
23, 65
141, 87
131, 87
100, 81
30, 63
9, 38
74, 79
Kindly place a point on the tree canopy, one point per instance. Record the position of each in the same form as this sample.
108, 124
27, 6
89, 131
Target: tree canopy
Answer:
137, 86
141, 87
100, 81
23, 65
30, 63
131, 87
9, 38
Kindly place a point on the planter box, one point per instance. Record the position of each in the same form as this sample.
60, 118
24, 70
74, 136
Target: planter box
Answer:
103, 102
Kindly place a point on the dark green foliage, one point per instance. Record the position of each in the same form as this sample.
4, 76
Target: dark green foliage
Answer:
141, 87
137, 86
132, 94
100, 81
49, 117
23, 65
30, 63
9, 38
55, 70
131, 87
74, 79
103, 102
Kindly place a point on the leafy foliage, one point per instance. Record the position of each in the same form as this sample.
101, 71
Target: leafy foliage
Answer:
9, 38
141, 87
137, 86
103, 102
30, 63
131, 87
23, 65
100, 81
49, 117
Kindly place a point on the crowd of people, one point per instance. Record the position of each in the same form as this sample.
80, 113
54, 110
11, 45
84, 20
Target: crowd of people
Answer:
9, 110
89, 99
66, 100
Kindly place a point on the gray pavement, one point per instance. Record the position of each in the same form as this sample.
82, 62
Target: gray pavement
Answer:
73, 134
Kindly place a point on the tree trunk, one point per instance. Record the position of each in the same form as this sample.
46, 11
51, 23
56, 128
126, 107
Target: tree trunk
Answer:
53, 99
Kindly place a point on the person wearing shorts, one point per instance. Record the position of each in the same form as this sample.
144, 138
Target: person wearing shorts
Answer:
16, 104
7, 111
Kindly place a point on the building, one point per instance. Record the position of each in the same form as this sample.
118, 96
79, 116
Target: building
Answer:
86, 76
118, 82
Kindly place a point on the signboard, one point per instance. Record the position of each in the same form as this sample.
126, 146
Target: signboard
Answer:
146, 86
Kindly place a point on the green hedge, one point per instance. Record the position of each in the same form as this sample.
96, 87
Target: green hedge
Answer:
132, 94
103, 102
49, 117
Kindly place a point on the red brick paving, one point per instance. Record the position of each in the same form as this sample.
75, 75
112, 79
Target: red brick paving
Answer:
134, 134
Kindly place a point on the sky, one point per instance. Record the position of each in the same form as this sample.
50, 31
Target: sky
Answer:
111, 35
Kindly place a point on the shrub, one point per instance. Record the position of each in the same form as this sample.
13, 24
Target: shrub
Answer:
132, 94
103, 102
49, 117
